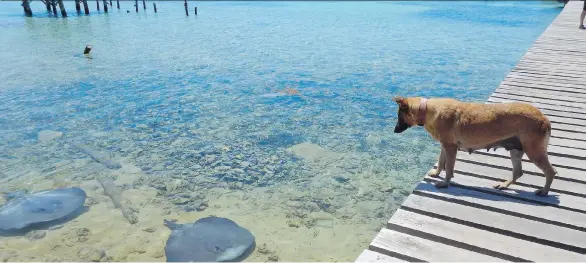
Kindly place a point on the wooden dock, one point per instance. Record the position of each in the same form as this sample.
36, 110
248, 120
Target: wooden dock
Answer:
470, 221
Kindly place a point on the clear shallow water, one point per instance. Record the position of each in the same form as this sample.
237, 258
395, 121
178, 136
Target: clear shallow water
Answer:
192, 105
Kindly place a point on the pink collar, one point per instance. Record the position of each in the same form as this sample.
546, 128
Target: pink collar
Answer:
422, 110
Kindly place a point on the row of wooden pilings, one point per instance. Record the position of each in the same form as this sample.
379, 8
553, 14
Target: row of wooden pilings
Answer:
52, 6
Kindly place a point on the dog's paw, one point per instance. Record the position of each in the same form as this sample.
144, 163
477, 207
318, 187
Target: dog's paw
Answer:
541, 192
433, 173
501, 186
442, 184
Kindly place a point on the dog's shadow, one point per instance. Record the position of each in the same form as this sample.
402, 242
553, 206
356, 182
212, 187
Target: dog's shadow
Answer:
489, 193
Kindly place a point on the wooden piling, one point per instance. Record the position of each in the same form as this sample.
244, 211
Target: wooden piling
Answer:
144, 4
77, 6
118, 4
98, 5
47, 3
54, 5
196, 10
62, 8
136, 5
27, 8
105, 6
155, 6
86, 9
186, 10
110, 2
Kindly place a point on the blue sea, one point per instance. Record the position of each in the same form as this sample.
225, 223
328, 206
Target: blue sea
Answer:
277, 115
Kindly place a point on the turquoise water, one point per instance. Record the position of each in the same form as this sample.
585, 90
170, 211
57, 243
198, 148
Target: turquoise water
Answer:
195, 105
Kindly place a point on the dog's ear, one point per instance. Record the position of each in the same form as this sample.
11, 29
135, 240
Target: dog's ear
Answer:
403, 104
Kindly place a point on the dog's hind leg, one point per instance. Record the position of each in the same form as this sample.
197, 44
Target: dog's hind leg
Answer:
450, 152
441, 165
541, 160
517, 160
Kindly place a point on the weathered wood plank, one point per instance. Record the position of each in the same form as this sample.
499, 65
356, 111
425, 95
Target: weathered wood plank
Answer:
474, 225
564, 201
555, 76
568, 72
571, 71
396, 243
545, 85
545, 62
501, 162
563, 142
556, 161
552, 108
505, 205
535, 89
369, 256
566, 106
562, 98
529, 180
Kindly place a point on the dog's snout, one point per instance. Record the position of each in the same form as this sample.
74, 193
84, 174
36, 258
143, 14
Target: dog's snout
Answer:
401, 127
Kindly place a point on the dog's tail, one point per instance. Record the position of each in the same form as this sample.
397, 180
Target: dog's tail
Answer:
546, 127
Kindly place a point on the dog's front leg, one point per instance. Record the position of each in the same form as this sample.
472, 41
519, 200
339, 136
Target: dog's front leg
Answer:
441, 165
450, 152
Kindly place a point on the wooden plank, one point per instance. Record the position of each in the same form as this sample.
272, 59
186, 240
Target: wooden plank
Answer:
372, 257
550, 69
543, 84
519, 192
501, 162
473, 226
545, 78
556, 161
557, 76
529, 180
571, 71
563, 142
566, 72
569, 106
539, 89
502, 204
542, 95
541, 106
396, 243
545, 62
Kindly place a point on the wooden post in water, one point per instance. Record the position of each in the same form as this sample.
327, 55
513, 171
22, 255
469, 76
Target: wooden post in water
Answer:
118, 4
98, 5
77, 7
196, 10
62, 8
186, 10
47, 3
86, 9
110, 2
144, 4
105, 6
54, 5
136, 5
27, 8
155, 6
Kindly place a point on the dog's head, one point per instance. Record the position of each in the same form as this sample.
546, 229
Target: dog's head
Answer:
406, 116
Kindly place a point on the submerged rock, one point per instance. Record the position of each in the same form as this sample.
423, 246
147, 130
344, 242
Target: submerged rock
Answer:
48, 135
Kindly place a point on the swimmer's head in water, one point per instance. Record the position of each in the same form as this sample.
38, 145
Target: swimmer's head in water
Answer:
87, 49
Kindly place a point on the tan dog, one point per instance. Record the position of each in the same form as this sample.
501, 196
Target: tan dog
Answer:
518, 127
